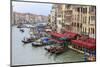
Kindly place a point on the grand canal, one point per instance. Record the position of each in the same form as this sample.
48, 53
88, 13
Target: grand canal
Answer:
23, 54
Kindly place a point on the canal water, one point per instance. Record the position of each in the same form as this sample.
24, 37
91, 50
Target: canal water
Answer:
23, 54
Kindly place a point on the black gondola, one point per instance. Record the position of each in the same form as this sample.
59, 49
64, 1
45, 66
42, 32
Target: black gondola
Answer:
28, 41
21, 30
25, 41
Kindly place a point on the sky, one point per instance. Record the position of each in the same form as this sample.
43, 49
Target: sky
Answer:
35, 8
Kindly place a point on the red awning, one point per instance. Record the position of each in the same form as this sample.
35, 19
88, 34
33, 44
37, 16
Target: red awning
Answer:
57, 34
88, 39
84, 44
67, 34
91, 40
70, 34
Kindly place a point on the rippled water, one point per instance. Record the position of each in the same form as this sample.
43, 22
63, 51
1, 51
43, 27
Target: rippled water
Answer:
23, 54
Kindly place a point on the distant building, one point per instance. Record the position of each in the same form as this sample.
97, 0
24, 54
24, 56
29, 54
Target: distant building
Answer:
27, 18
52, 18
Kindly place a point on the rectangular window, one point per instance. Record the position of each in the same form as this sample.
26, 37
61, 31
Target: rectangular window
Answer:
92, 9
84, 10
78, 9
92, 18
85, 19
89, 20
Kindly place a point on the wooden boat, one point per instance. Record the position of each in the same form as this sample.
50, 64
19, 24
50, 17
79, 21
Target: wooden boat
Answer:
59, 50
55, 49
